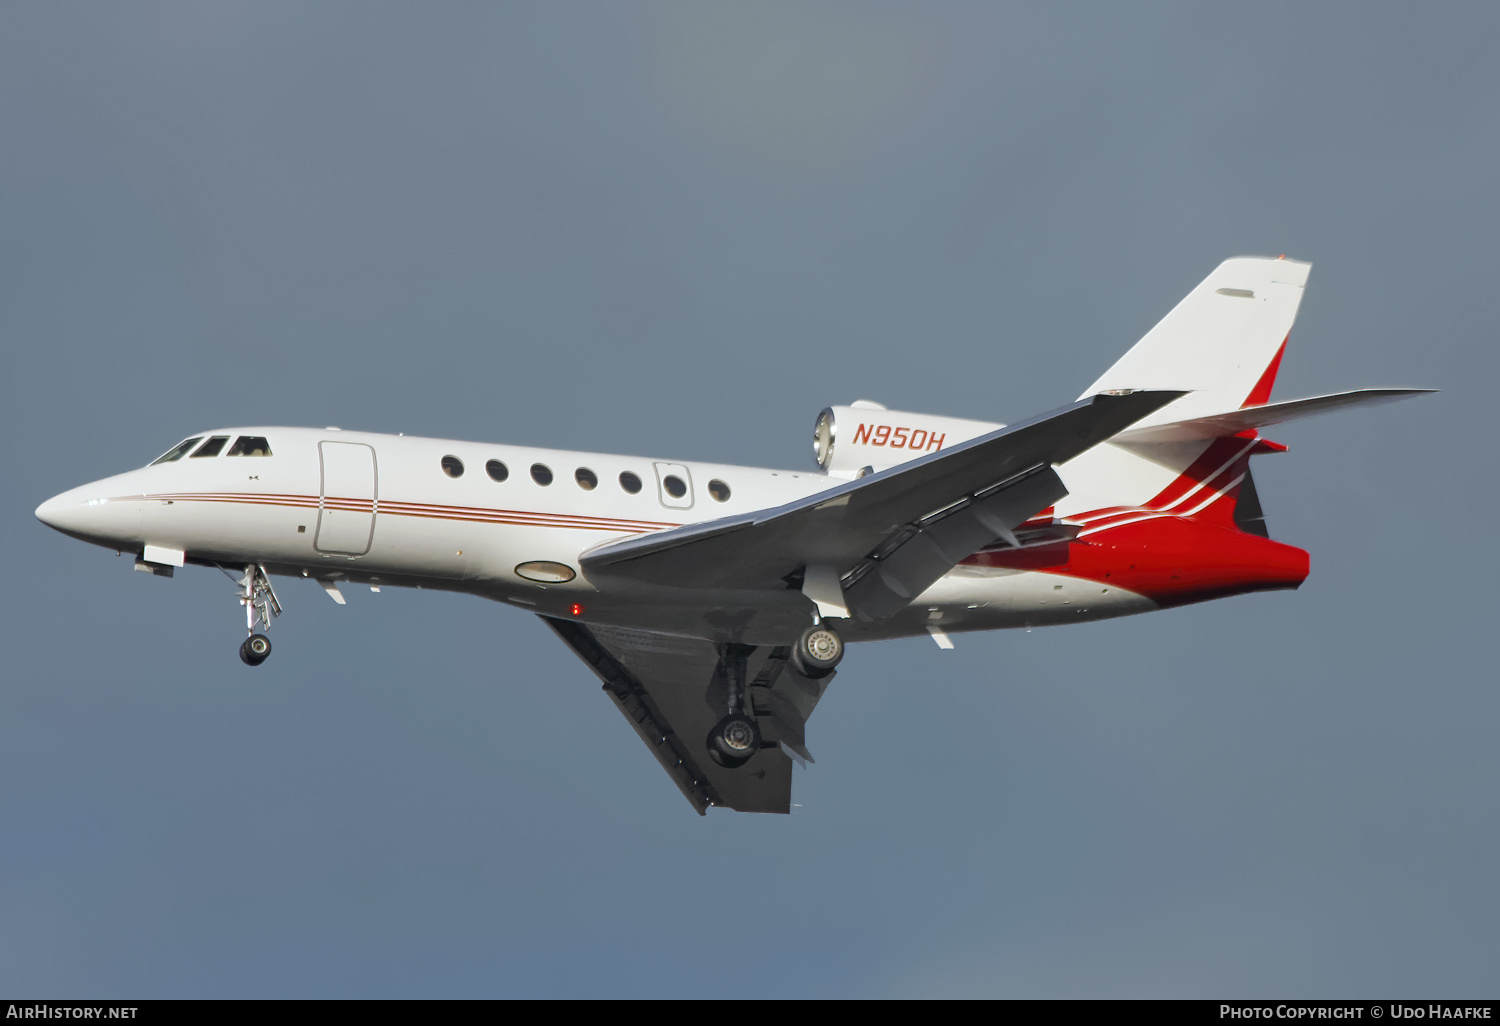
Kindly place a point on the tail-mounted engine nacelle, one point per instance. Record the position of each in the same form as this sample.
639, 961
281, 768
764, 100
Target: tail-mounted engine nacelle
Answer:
847, 439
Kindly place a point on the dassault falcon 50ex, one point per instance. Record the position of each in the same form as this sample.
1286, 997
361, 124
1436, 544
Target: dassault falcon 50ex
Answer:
714, 601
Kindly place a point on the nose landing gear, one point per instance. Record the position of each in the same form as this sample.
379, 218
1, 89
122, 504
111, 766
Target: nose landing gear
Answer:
261, 607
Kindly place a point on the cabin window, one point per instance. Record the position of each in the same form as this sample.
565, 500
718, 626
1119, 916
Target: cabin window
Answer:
177, 451
212, 447
250, 445
630, 482
498, 471
453, 466
541, 474
586, 478
674, 485
719, 490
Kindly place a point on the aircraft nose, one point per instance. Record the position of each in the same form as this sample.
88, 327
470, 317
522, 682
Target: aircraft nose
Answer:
65, 512
89, 513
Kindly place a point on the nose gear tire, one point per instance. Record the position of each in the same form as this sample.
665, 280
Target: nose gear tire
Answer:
255, 650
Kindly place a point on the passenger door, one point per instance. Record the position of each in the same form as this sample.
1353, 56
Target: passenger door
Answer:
346, 501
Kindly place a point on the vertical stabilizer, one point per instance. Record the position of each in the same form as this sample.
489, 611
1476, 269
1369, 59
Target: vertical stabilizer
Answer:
1223, 342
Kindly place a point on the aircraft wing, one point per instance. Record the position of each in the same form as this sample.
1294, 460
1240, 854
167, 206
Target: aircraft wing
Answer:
911, 523
672, 691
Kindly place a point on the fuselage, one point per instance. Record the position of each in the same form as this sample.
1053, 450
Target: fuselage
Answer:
509, 523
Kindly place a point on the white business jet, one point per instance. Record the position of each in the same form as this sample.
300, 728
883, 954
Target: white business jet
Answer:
714, 601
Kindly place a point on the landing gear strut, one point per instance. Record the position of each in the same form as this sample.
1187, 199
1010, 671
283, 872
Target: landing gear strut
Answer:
735, 738
261, 607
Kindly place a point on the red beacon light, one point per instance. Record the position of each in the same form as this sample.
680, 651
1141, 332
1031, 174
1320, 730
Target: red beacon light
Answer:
576, 609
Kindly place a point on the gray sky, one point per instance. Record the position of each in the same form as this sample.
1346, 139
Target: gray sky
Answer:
681, 230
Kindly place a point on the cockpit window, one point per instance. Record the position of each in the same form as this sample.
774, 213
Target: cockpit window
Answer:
250, 445
212, 447
178, 451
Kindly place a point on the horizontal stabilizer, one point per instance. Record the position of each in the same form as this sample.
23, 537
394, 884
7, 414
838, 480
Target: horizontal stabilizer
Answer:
1221, 424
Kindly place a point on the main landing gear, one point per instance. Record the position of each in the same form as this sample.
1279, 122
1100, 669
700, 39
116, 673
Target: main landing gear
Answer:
818, 651
736, 738
261, 607
733, 740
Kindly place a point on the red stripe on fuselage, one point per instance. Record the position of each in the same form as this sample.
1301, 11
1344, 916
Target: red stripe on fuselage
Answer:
1216, 464
388, 507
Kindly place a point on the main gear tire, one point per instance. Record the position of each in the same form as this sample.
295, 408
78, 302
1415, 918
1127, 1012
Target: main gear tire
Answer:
733, 741
818, 651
